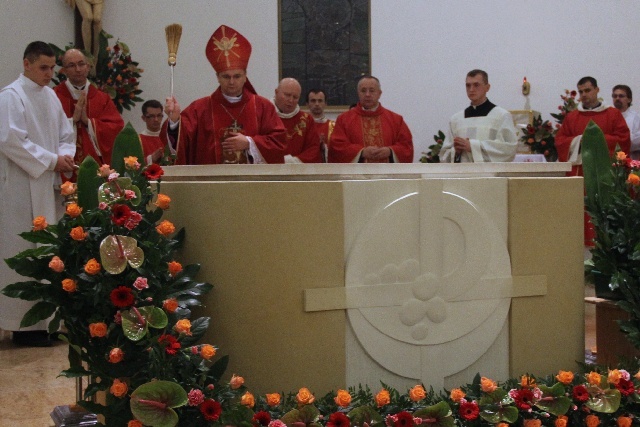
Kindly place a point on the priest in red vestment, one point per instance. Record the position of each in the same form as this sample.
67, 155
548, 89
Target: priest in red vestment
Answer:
302, 140
369, 133
92, 112
569, 136
233, 125
152, 145
317, 102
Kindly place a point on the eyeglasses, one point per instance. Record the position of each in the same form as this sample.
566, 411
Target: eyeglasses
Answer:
153, 116
618, 96
74, 65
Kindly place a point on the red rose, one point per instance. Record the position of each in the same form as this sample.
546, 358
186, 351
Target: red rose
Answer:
153, 171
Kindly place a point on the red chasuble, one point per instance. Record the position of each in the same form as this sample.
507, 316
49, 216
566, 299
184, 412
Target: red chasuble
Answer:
105, 119
150, 144
358, 128
206, 122
303, 141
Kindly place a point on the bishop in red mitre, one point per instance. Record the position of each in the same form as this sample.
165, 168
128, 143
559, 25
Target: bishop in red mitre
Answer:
233, 125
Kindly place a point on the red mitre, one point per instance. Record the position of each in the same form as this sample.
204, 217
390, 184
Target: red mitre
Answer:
227, 49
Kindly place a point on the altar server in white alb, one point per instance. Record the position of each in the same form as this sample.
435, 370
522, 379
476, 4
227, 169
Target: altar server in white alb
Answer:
483, 132
36, 144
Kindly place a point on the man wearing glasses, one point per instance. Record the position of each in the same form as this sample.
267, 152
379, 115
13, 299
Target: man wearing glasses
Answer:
92, 113
152, 145
622, 97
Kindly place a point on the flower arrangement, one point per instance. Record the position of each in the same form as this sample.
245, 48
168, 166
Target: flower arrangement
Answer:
539, 136
115, 72
569, 103
433, 156
108, 270
566, 399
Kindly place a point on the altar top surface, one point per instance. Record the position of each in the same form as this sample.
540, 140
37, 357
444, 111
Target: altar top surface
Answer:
359, 171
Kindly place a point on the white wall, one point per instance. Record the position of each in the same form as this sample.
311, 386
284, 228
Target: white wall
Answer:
421, 49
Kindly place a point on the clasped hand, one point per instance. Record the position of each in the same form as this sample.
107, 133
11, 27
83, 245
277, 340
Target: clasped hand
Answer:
80, 112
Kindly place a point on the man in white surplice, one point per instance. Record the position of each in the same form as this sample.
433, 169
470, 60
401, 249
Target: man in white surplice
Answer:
483, 132
36, 144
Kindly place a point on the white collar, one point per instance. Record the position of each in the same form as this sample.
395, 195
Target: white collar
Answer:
148, 132
76, 92
233, 99
283, 115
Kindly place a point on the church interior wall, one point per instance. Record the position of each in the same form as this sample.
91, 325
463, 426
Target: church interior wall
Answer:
420, 50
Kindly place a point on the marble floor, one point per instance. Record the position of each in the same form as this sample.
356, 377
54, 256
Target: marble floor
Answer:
31, 389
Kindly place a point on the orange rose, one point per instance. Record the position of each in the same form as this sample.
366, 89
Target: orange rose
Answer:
78, 234
594, 378
592, 420
527, 382
104, 171
183, 326
623, 421
174, 267
273, 399
247, 399
39, 223
633, 179
163, 201
92, 267
69, 285
135, 423
561, 421
207, 351
119, 388
487, 385
565, 377
131, 162
502, 425
98, 330
343, 398
116, 355
304, 397
68, 188
73, 210
532, 423
614, 376
417, 393
170, 305
56, 264
236, 382
637, 375
165, 228
457, 395
383, 398
620, 155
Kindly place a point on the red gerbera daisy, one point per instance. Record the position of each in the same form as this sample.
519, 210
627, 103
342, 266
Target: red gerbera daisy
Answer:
338, 419
523, 398
580, 393
469, 410
120, 214
122, 297
153, 172
261, 418
170, 343
403, 419
211, 410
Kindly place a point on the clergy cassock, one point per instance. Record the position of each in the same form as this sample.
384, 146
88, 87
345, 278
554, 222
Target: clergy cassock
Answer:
150, 143
33, 133
490, 131
105, 122
324, 127
357, 128
207, 121
302, 140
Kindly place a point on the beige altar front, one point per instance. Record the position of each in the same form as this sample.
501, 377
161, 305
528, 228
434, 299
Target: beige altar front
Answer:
327, 276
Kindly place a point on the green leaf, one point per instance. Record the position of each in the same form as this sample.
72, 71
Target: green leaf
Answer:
88, 183
156, 317
41, 237
132, 327
127, 144
440, 412
596, 164
29, 291
607, 400
198, 329
364, 414
152, 403
40, 311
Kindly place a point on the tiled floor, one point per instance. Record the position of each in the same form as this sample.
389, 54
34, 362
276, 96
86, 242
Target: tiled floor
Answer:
30, 387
